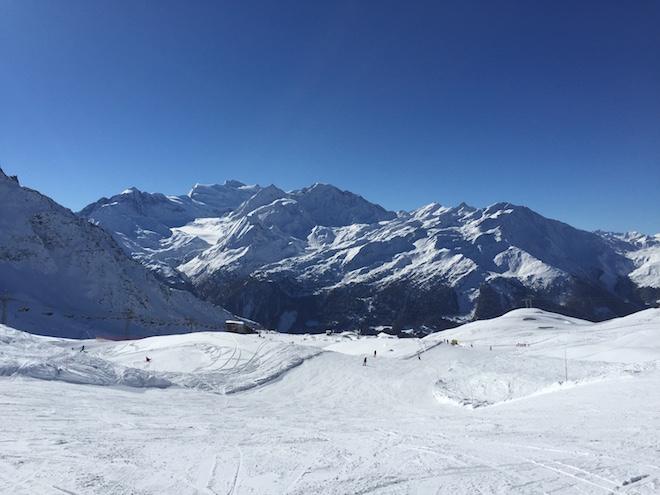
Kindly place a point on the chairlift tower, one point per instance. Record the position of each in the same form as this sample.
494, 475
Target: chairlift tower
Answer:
191, 322
4, 298
128, 314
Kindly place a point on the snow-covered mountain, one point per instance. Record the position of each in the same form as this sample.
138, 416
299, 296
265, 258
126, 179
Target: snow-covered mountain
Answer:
643, 250
317, 258
64, 276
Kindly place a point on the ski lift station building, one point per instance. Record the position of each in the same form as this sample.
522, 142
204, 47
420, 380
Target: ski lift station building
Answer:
239, 327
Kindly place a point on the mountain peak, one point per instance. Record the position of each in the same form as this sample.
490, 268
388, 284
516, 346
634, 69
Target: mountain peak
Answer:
131, 191
233, 183
222, 198
321, 187
4, 176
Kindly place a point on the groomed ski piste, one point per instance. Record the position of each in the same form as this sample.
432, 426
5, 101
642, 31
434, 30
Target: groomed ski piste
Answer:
531, 402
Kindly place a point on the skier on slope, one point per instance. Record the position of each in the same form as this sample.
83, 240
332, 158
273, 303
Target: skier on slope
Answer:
364, 363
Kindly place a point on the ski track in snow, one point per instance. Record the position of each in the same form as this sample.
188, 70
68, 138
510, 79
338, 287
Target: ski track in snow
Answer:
223, 414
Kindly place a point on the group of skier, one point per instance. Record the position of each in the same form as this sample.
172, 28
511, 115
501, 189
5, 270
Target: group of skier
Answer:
364, 361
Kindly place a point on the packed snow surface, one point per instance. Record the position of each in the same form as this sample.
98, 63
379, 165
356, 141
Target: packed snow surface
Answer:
531, 402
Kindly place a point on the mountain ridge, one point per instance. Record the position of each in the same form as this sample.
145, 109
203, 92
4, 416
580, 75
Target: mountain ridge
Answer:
320, 257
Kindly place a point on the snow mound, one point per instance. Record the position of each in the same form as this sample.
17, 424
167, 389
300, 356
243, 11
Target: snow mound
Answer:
530, 352
65, 360
489, 382
215, 362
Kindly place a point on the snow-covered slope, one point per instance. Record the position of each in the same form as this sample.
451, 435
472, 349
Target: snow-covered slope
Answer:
531, 402
61, 275
319, 257
644, 251
143, 222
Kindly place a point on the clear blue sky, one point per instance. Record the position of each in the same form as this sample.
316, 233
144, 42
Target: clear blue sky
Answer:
553, 105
